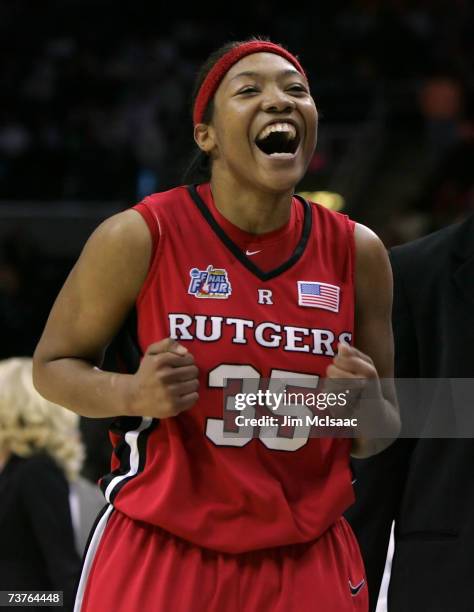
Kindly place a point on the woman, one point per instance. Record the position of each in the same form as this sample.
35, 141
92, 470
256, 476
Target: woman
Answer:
204, 513
38, 456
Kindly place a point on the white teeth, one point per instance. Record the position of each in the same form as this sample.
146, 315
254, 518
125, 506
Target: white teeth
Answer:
282, 155
288, 128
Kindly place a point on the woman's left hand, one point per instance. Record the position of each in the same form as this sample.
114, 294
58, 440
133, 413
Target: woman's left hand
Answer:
349, 362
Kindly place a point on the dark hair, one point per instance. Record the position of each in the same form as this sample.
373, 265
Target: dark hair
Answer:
199, 167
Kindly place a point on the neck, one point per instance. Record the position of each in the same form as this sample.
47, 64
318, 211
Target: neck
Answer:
248, 208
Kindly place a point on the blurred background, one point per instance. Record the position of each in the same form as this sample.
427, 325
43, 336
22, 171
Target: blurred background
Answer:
95, 114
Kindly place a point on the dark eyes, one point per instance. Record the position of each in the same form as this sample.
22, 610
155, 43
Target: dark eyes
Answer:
298, 88
248, 89
295, 88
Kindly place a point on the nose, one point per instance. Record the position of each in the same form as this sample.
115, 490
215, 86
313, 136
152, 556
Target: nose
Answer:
278, 101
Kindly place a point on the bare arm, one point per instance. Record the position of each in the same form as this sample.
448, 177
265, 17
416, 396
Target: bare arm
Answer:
373, 357
89, 310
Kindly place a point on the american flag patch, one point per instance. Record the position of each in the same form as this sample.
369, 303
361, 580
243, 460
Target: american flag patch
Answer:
319, 295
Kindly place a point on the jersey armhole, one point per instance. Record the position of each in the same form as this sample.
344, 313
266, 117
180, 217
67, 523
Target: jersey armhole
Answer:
156, 239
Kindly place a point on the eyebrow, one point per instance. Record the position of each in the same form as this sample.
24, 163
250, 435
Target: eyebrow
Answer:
283, 73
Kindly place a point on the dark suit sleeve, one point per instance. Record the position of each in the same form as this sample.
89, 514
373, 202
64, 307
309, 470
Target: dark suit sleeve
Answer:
404, 332
380, 479
45, 495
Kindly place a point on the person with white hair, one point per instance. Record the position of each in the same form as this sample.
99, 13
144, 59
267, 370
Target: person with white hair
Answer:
40, 453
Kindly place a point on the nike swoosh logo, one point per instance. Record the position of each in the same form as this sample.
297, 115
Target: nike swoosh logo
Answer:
252, 252
355, 590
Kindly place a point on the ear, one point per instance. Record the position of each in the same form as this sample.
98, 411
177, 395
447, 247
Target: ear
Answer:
205, 137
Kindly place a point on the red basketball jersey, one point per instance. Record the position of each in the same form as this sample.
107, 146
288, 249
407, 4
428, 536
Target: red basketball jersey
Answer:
199, 475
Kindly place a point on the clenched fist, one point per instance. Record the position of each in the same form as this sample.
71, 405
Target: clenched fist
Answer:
166, 382
351, 363
353, 373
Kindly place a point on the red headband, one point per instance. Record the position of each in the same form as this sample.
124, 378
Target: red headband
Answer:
225, 63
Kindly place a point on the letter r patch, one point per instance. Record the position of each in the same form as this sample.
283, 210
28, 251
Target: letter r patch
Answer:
265, 296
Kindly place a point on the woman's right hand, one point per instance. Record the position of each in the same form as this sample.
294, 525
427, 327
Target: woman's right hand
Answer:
166, 382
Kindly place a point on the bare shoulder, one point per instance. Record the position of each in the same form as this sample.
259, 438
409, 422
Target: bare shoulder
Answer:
368, 244
120, 246
371, 255
124, 230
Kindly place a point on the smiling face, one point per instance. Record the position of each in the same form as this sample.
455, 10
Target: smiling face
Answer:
264, 125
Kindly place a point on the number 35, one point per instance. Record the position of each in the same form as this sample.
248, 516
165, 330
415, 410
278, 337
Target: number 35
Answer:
268, 435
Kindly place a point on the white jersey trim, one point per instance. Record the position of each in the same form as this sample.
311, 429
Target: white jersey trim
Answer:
131, 438
90, 555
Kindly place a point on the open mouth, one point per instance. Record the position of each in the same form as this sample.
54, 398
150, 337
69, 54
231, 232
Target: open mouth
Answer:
278, 139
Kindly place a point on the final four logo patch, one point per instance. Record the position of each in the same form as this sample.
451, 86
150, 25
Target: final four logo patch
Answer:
210, 283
